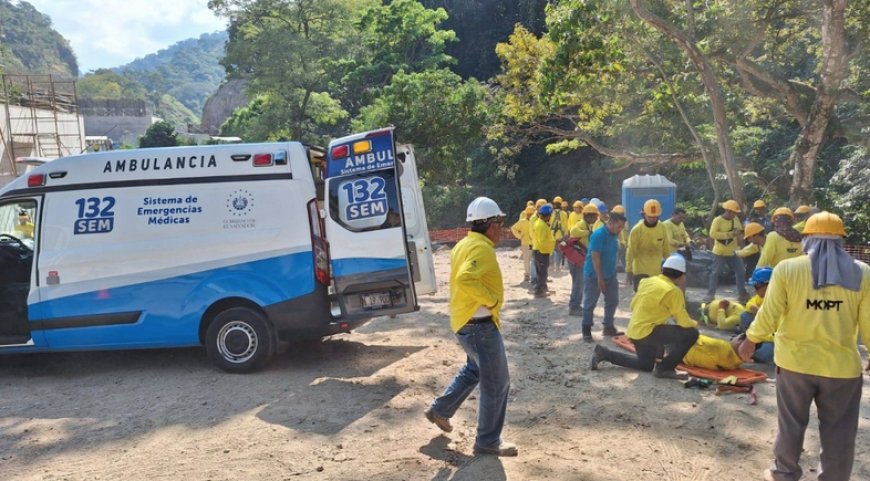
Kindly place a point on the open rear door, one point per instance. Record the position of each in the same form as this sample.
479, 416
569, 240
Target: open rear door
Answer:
419, 245
365, 227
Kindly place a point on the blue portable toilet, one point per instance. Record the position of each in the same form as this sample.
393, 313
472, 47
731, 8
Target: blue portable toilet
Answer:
640, 188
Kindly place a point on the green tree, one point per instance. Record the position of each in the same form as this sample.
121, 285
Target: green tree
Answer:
159, 134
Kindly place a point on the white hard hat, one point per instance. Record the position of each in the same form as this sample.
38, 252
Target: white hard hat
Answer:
676, 262
482, 208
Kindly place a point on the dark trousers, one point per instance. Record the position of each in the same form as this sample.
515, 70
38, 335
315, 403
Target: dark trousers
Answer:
542, 264
648, 349
838, 403
750, 262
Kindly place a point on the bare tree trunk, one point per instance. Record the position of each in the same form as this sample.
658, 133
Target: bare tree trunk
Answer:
708, 162
711, 86
834, 64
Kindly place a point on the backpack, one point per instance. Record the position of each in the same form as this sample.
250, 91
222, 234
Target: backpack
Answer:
574, 251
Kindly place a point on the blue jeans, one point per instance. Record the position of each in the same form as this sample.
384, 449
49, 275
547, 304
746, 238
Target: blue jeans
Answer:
746, 319
486, 366
533, 271
590, 299
736, 265
576, 287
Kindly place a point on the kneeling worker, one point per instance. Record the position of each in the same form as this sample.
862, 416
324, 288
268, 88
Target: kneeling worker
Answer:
658, 299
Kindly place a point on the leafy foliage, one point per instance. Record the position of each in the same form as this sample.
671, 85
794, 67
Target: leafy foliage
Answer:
159, 134
29, 44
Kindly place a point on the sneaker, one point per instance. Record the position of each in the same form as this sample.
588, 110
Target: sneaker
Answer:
611, 331
669, 374
598, 355
442, 422
504, 448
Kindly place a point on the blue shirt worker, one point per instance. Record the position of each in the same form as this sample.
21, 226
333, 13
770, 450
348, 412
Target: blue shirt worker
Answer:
599, 272
476, 298
814, 307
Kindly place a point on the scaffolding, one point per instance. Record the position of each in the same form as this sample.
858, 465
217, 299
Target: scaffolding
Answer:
42, 118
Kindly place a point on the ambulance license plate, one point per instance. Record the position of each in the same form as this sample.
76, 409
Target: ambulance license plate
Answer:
377, 300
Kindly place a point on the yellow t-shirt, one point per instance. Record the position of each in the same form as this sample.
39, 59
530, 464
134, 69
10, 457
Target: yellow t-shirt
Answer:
542, 237
522, 231
475, 280
725, 234
647, 248
657, 300
711, 353
777, 249
24, 231
558, 222
678, 237
582, 231
748, 250
725, 318
815, 330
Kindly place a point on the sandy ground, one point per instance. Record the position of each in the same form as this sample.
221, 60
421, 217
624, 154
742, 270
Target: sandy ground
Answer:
350, 408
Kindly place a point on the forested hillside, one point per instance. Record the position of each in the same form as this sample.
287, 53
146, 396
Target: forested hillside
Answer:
29, 44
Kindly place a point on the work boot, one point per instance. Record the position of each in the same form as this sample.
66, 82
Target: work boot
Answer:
598, 355
587, 333
611, 331
442, 422
575, 312
661, 373
504, 448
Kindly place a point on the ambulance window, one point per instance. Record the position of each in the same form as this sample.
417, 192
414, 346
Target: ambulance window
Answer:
366, 201
17, 221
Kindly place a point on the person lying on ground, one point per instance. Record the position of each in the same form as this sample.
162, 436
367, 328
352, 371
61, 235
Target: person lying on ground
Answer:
722, 313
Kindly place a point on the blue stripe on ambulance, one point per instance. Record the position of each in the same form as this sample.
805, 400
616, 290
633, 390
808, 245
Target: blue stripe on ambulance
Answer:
362, 265
172, 308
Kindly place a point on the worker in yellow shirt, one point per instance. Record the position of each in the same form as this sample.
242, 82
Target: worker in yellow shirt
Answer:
658, 300
543, 245
623, 235
476, 298
727, 232
576, 214
523, 212
24, 228
800, 217
523, 232
753, 236
722, 313
648, 244
533, 273
814, 308
783, 243
759, 281
678, 238
557, 224
712, 353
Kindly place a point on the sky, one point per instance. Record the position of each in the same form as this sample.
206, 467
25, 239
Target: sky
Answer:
109, 33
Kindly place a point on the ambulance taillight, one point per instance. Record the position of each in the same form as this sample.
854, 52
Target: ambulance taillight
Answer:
340, 151
319, 245
36, 180
262, 160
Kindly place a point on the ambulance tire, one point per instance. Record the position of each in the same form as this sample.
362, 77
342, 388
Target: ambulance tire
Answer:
240, 340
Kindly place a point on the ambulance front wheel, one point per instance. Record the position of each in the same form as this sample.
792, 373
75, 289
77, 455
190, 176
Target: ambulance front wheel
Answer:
240, 340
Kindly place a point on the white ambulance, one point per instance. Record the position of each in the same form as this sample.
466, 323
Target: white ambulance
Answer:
232, 247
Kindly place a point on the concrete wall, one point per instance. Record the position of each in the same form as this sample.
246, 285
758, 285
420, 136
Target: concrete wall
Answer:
121, 129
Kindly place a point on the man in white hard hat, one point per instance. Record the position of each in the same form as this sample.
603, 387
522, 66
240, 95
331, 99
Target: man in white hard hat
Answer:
657, 300
476, 297
814, 307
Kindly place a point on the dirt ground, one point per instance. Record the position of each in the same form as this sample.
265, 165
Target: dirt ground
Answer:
350, 408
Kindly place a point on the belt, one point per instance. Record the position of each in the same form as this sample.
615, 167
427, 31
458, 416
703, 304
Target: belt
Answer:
479, 320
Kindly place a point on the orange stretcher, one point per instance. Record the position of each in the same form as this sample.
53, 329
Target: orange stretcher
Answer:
744, 376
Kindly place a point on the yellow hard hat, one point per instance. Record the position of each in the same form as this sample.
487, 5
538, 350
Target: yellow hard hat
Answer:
752, 229
529, 210
557, 200
802, 209
825, 223
618, 209
731, 205
530, 203
652, 208
577, 204
539, 203
783, 211
759, 204
590, 208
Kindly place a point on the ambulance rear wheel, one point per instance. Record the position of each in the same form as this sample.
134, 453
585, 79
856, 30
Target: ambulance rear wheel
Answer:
240, 340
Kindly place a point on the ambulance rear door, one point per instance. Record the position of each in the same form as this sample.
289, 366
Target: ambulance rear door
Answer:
365, 227
416, 228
